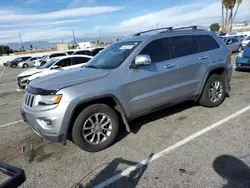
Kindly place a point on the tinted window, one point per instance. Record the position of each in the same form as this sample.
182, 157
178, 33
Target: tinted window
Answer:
158, 50
248, 38
64, 62
56, 55
96, 51
184, 45
25, 58
235, 40
207, 42
248, 45
79, 60
70, 52
83, 52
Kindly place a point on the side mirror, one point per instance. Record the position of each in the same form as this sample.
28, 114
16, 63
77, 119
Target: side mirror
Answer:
55, 67
142, 60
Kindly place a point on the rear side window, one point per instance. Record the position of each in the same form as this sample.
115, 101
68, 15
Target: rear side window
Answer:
64, 62
235, 40
184, 45
158, 50
85, 52
206, 43
79, 60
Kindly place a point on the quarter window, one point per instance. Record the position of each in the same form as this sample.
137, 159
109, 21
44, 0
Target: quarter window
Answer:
184, 45
158, 50
79, 60
207, 42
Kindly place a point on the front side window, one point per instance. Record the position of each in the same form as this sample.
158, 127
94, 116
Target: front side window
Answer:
64, 62
158, 50
48, 64
113, 56
207, 42
79, 60
184, 45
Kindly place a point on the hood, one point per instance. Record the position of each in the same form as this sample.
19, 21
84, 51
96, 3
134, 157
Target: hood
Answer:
246, 52
30, 72
68, 78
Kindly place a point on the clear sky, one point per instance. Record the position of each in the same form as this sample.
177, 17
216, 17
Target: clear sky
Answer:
55, 19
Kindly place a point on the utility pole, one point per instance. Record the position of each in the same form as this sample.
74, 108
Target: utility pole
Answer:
21, 42
73, 31
99, 35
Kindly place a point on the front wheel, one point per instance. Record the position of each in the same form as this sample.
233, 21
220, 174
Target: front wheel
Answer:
25, 65
214, 92
240, 48
95, 128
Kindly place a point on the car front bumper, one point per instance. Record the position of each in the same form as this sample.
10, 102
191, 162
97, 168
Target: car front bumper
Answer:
46, 124
243, 63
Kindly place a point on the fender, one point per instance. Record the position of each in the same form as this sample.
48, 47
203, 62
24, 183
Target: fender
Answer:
67, 119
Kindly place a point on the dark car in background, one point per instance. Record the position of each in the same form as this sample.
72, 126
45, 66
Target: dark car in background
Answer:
243, 60
90, 51
15, 62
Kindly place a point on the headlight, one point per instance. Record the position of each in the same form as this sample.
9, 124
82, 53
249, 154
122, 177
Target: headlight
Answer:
42, 100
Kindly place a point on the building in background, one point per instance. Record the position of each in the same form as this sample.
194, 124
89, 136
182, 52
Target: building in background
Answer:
62, 47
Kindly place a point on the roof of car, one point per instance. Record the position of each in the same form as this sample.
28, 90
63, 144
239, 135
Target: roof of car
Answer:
69, 56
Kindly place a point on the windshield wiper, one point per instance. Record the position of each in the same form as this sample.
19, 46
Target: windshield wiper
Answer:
92, 66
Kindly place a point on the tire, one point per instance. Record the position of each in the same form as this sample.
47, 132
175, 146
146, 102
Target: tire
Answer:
13, 65
206, 98
83, 120
240, 48
25, 65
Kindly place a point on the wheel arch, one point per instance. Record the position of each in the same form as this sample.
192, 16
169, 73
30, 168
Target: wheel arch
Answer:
77, 106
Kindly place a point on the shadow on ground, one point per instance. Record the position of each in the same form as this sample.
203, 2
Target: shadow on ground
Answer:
234, 170
136, 124
112, 170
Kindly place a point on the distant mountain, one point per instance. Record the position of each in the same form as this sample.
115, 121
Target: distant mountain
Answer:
103, 39
35, 45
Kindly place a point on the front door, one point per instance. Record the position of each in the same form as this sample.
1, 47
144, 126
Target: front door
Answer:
156, 84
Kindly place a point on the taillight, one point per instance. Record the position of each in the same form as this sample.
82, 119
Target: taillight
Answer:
229, 57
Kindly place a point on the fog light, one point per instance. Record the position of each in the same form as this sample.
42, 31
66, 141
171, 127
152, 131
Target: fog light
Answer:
47, 121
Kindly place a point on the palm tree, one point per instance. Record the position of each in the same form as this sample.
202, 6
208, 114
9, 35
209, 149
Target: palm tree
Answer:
238, 4
231, 7
222, 15
226, 4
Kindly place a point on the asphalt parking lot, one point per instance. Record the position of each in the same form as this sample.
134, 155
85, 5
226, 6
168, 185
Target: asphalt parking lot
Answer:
183, 146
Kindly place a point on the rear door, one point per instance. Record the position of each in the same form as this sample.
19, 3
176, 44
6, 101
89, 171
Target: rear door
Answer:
191, 63
156, 84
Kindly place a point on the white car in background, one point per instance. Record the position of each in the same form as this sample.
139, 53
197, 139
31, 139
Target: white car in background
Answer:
28, 63
52, 66
246, 41
42, 61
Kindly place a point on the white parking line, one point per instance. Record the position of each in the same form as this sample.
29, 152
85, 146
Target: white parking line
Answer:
12, 123
2, 72
169, 149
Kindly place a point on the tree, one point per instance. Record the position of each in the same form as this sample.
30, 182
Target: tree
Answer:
238, 4
214, 27
31, 47
231, 7
222, 15
117, 39
5, 50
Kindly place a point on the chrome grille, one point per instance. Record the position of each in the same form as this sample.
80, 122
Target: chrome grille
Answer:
29, 99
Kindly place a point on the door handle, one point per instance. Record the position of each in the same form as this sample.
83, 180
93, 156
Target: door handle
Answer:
168, 66
203, 57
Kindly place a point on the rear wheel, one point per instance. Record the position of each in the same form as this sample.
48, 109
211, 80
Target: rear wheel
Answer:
214, 92
13, 65
95, 128
25, 65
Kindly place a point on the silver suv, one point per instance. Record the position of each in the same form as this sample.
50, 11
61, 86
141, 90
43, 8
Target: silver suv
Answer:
126, 80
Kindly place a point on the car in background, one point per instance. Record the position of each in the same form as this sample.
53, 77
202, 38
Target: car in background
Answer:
243, 59
42, 61
233, 43
246, 41
15, 62
89, 51
53, 65
28, 63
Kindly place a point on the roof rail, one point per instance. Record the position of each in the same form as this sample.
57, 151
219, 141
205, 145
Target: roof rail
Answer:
138, 34
194, 27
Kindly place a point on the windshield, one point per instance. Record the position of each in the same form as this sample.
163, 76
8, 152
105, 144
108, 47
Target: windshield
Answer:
113, 56
48, 64
248, 38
